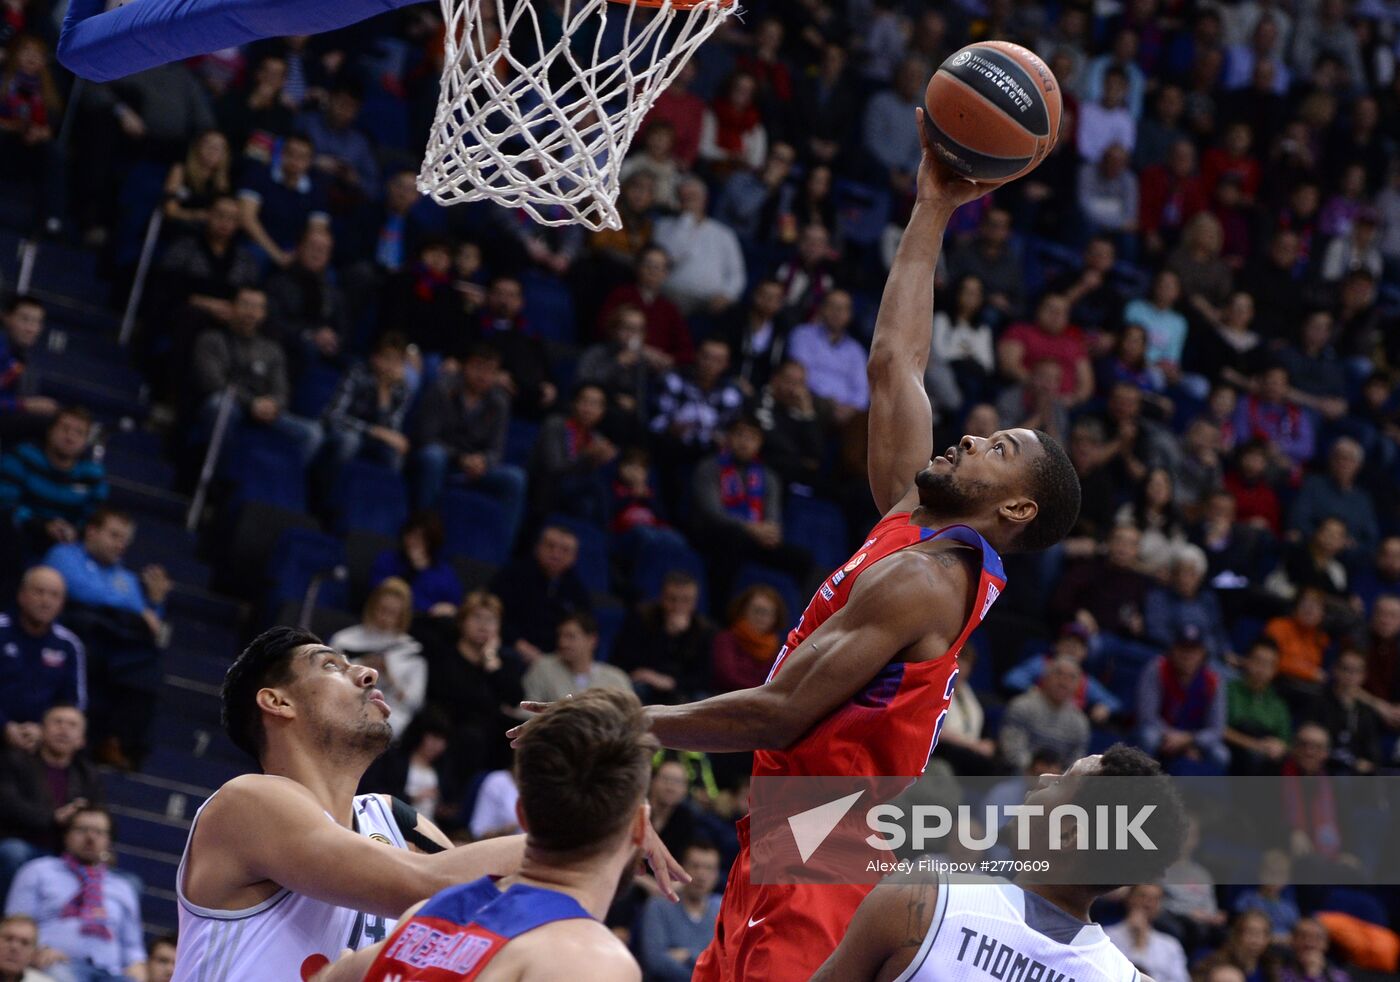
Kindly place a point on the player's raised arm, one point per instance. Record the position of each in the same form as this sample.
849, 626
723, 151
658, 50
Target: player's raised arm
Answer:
272, 829
889, 610
885, 935
901, 420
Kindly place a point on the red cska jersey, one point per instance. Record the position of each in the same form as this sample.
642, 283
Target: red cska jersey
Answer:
891, 726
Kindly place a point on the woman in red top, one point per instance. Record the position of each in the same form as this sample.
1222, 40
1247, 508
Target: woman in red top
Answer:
733, 137
1233, 157
1256, 502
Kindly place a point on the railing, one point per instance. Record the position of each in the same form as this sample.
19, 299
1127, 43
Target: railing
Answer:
143, 269
211, 458
338, 574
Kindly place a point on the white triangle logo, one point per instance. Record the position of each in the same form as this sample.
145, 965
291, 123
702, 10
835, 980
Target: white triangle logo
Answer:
810, 828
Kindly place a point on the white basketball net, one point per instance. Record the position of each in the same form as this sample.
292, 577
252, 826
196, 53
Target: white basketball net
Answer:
539, 106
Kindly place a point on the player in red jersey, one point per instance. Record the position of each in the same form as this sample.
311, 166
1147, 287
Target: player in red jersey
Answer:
864, 680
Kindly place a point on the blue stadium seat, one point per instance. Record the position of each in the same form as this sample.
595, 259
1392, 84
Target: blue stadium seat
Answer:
1358, 903
592, 563
820, 527
751, 574
862, 212
315, 386
473, 525
549, 307
609, 614
265, 466
659, 557
298, 556
521, 435
371, 498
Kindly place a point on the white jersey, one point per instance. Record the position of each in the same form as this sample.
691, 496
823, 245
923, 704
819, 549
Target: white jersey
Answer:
272, 941
996, 931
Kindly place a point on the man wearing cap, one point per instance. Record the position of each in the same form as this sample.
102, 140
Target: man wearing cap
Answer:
1181, 708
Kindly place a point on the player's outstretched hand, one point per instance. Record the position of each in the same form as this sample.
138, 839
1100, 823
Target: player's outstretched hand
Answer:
936, 183
516, 732
664, 867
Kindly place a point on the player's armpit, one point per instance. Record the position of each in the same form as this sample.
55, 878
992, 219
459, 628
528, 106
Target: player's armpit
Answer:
886, 933
906, 598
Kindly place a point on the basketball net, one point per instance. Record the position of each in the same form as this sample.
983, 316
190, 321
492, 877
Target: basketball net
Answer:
540, 99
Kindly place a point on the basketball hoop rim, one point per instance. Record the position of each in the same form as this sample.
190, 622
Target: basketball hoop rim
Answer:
675, 4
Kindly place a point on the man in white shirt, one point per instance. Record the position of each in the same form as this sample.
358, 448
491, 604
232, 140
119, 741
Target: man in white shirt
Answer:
707, 272
1154, 952
572, 668
1108, 121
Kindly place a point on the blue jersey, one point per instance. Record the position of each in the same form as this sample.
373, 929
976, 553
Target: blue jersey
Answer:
36, 672
454, 936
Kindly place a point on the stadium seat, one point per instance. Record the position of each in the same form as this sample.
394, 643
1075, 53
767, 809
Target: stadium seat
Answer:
251, 455
609, 613
299, 556
862, 212
592, 563
660, 557
325, 621
1358, 903
473, 573
313, 390
361, 549
751, 574
474, 525
520, 442
549, 307
248, 539
820, 527
370, 497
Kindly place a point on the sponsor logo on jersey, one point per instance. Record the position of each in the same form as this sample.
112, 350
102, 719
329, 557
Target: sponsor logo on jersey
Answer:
53, 657
851, 566
826, 591
837, 577
993, 591
380, 837
870, 542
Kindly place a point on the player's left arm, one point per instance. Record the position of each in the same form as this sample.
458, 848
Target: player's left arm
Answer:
901, 419
884, 936
906, 598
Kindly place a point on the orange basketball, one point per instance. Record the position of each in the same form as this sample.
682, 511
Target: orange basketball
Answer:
992, 111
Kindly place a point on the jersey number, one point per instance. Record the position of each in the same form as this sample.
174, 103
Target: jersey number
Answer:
369, 929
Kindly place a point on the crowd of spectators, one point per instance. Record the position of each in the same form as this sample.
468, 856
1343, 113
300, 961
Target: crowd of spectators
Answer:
1196, 291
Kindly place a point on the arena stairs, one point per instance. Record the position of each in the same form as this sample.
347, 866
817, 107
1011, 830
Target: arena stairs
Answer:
82, 362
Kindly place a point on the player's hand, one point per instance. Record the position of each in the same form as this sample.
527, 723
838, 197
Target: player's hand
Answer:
937, 184
664, 866
534, 708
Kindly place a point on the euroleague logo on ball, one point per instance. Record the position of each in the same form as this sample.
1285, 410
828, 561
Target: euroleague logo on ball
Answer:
962, 57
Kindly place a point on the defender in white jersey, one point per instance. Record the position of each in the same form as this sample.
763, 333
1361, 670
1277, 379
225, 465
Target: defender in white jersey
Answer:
912, 930
286, 869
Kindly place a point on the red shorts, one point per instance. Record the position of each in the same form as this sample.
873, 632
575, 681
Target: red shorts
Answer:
775, 932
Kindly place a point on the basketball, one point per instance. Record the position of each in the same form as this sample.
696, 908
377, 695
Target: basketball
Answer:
992, 111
